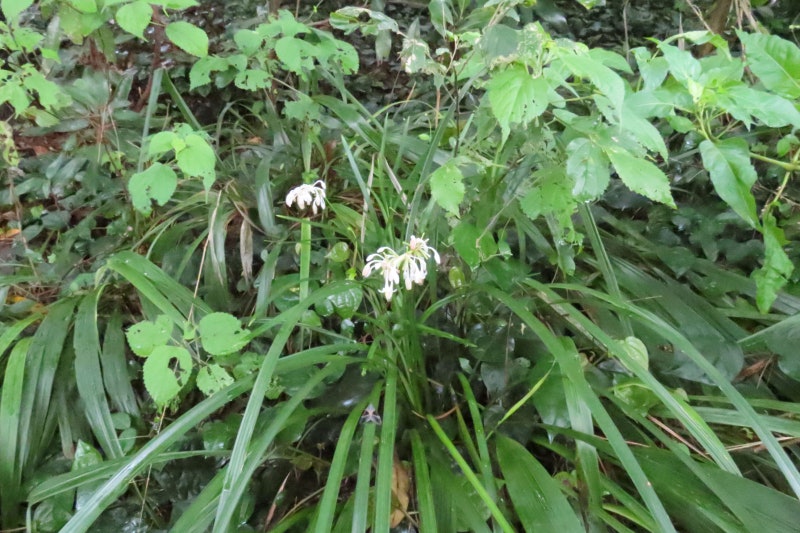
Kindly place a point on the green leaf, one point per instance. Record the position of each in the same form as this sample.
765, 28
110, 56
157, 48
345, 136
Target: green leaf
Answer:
160, 143
777, 268
636, 350
201, 71
156, 183
188, 38
516, 97
296, 54
84, 6
222, 334
165, 372
12, 8
775, 61
732, 173
10, 407
145, 336
608, 82
197, 158
683, 66
588, 168
213, 378
537, 497
447, 187
472, 244
135, 17
641, 176
771, 109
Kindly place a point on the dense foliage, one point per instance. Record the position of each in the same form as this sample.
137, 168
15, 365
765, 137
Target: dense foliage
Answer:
461, 266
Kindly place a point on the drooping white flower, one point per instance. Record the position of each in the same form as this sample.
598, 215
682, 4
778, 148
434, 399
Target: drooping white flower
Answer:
412, 264
308, 195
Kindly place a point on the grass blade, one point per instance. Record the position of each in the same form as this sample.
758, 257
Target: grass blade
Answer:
10, 408
89, 376
537, 498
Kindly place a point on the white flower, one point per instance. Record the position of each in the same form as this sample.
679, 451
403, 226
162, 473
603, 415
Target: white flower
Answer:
303, 195
413, 264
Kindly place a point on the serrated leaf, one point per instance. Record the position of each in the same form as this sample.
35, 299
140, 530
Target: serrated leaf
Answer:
135, 17
188, 38
447, 186
165, 372
682, 64
641, 176
222, 334
643, 131
12, 8
201, 71
157, 183
777, 268
197, 158
608, 82
588, 168
771, 109
296, 54
775, 61
516, 97
144, 337
212, 378
732, 173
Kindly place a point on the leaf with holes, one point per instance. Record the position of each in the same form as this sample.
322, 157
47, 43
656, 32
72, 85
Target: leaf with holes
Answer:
213, 378
157, 183
165, 372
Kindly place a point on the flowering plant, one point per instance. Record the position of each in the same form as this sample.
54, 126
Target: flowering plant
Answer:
412, 264
308, 195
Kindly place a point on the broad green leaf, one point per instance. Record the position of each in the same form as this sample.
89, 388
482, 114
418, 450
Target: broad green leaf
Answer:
551, 195
641, 176
771, 109
201, 71
653, 70
10, 408
636, 350
349, 18
775, 61
537, 497
222, 334
197, 158
252, 79
447, 187
499, 45
84, 6
144, 337
608, 82
296, 54
683, 66
643, 131
213, 378
156, 183
165, 372
135, 17
588, 168
732, 173
777, 268
12, 8
516, 97
473, 244
188, 38
50, 94
160, 143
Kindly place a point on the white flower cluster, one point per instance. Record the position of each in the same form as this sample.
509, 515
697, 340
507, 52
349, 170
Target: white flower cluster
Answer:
413, 264
312, 195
